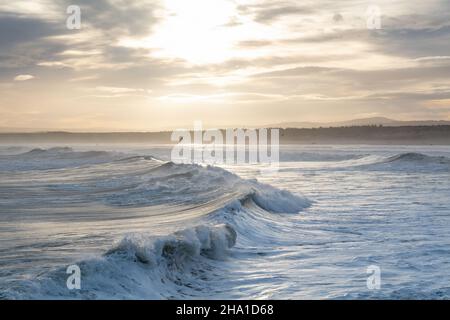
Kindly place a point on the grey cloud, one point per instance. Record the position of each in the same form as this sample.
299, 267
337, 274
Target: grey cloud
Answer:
254, 43
335, 35
414, 43
26, 41
118, 18
270, 62
23, 41
357, 80
399, 74
337, 17
410, 43
268, 12
299, 71
15, 30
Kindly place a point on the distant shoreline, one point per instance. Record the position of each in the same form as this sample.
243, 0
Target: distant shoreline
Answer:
403, 135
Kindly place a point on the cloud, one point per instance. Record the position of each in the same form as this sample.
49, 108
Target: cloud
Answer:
223, 98
283, 58
119, 17
439, 104
118, 89
337, 17
254, 43
32, 34
268, 12
23, 77
414, 43
18, 29
115, 92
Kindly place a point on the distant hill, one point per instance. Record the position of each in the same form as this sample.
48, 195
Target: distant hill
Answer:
366, 134
375, 121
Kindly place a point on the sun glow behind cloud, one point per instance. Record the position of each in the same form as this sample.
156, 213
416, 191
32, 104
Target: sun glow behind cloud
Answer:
194, 30
200, 32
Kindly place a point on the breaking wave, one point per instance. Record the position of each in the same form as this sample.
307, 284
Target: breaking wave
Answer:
139, 267
54, 158
418, 158
221, 206
402, 161
411, 161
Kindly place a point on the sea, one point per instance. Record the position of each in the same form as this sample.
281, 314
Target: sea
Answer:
332, 222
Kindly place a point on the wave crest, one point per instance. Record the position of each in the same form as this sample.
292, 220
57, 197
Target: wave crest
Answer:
209, 241
418, 157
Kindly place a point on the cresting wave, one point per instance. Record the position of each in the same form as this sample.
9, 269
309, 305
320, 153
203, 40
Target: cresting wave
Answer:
409, 161
418, 157
403, 158
210, 241
140, 267
67, 157
402, 162
221, 208
54, 158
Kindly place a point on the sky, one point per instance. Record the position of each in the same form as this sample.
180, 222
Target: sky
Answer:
163, 64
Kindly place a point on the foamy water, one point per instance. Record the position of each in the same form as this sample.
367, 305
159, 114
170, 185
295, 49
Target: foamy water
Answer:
141, 227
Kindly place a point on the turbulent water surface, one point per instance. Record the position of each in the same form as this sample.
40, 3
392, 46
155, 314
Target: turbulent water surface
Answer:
142, 227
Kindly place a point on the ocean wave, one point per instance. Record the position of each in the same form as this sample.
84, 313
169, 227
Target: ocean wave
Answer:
209, 241
177, 265
217, 205
411, 161
55, 158
62, 152
138, 267
145, 181
122, 180
277, 200
174, 266
401, 161
418, 158
295, 156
